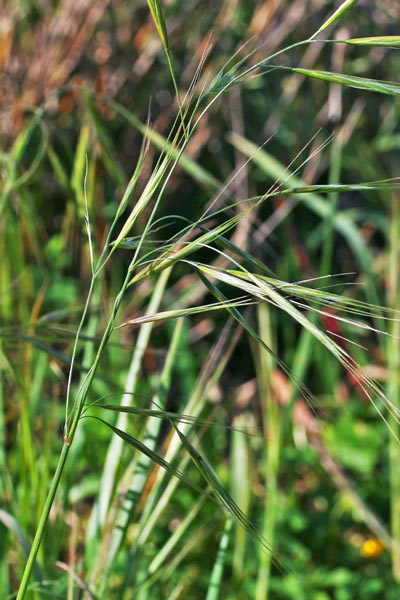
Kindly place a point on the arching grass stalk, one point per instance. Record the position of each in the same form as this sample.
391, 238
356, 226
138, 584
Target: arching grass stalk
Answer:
103, 258
43, 520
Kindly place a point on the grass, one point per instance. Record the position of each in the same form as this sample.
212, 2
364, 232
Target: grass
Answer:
104, 438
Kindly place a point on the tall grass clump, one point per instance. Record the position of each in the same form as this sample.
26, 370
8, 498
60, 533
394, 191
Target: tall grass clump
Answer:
147, 435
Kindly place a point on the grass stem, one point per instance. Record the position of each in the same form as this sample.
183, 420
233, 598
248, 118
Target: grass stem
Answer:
42, 523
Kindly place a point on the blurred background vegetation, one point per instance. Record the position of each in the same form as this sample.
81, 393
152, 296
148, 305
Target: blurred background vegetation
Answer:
79, 80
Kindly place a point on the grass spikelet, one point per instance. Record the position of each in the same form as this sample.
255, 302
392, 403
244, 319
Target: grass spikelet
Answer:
387, 41
359, 83
335, 16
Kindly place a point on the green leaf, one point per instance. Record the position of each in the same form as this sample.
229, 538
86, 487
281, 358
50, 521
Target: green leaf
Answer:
222, 495
156, 458
267, 293
244, 323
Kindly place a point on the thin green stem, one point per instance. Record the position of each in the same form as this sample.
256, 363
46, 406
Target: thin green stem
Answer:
43, 519
177, 93
84, 388
218, 569
77, 337
95, 273
334, 175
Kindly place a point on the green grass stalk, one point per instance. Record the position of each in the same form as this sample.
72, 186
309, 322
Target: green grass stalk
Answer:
214, 586
4, 476
329, 237
241, 488
272, 428
43, 520
154, 572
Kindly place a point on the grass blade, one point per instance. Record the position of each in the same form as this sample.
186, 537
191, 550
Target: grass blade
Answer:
140, 473
272, 420
222, 495
153, 456
213, 591
112, 460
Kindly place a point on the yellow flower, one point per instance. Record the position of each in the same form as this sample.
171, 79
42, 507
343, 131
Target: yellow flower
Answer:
372, 548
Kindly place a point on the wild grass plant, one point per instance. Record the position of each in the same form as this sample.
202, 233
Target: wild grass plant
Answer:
150, 438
